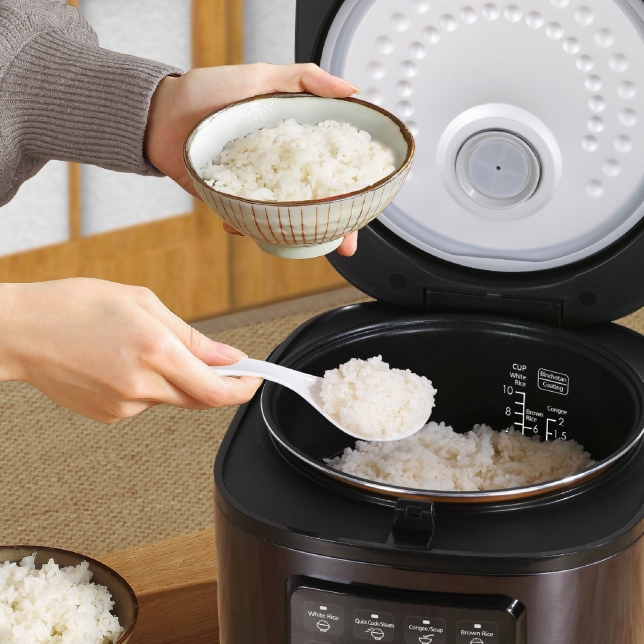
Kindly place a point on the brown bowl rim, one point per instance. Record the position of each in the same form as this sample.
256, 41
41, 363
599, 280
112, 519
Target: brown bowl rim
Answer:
130, 591
404, 130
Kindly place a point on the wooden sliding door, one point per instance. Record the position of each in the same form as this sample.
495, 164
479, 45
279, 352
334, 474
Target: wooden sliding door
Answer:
186, 258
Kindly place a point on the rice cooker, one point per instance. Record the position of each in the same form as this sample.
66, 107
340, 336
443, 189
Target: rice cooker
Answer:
497, 273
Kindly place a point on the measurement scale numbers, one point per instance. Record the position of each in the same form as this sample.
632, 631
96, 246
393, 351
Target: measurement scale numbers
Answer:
526, 408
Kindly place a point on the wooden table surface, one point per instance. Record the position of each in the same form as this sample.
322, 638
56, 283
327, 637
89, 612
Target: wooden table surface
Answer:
176, 584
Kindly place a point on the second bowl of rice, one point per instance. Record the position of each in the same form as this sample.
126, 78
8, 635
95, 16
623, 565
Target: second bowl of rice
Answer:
298, 172
57, 596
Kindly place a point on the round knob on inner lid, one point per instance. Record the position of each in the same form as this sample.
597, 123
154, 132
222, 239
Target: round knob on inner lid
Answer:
497, 169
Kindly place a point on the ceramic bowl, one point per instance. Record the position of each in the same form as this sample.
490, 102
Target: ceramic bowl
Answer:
298, 229
126, 607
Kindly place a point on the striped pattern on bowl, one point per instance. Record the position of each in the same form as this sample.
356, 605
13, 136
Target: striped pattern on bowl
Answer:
304, 224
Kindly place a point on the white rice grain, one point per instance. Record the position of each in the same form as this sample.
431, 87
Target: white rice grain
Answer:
438, 458
374, 401
293, 162
54, 605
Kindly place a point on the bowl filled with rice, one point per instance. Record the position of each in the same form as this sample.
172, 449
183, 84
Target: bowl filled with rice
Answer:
298, 172
54, 596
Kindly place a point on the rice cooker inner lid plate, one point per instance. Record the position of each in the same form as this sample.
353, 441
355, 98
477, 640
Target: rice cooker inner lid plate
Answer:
527, 117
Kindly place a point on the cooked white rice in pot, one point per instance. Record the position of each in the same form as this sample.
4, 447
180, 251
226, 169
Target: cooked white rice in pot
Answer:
438, 458
374, 401
54, 605
293, 162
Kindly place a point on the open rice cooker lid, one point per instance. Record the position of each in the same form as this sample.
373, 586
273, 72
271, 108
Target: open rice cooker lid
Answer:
526, 196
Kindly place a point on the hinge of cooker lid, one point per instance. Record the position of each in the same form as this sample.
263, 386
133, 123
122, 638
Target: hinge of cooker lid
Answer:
547, 311
413, 523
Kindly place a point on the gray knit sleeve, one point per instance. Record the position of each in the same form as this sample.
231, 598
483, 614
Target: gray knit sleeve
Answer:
63, 97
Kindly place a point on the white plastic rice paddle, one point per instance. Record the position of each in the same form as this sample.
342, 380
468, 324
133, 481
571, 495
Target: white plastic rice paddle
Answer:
303, 384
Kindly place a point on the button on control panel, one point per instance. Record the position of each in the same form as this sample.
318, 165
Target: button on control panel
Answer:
469, 632
322, 617
373, 625
425, 630
323, 612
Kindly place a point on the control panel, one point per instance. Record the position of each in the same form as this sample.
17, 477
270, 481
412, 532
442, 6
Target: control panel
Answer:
324, 613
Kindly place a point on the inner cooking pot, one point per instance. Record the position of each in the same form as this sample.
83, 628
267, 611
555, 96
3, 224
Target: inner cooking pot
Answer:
543, 380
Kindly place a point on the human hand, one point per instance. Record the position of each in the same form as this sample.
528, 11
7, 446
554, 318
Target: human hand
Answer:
178, 104
110, 351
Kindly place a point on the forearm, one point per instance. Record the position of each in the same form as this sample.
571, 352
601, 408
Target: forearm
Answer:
63, 97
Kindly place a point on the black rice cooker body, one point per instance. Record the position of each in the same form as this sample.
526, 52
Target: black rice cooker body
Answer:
283, 532
287, 503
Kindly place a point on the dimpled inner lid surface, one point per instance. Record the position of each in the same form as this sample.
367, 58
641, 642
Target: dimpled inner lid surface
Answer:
563, 76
